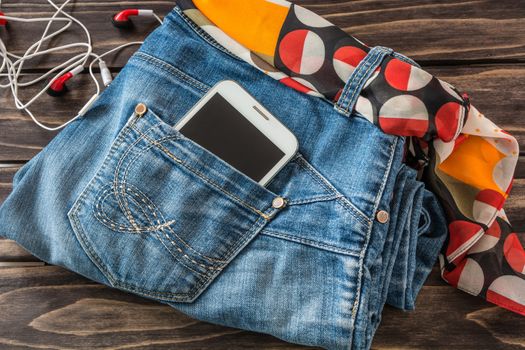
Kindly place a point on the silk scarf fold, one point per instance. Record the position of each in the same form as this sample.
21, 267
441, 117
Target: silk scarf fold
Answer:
466, 160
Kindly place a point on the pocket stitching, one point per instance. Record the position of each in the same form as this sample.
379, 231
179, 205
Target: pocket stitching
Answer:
315, 175
338, 197
104, 219
184, 255
75, 222
158, 144
309, 242
168, 296
125, 186
315, 199
121, 200
207, 279
160, 240
154, 211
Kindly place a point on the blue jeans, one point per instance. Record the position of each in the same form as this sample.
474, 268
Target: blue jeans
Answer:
128, 201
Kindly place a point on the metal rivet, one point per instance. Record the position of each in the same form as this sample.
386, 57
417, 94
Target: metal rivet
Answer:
140, 109
278, 202
382, 216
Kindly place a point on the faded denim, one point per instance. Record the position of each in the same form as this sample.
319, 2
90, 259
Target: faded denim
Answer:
128, 201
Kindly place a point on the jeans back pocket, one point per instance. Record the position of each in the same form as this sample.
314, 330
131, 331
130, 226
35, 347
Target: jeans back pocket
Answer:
163, 216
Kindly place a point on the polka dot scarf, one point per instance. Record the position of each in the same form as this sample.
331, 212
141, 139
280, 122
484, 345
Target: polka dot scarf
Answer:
464, 158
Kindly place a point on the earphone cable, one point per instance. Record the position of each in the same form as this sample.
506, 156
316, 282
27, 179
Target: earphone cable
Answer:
11, 67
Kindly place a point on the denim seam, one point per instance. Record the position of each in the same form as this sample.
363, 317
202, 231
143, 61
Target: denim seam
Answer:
102, 217
203, 34
189, 296
174, 71
181, 261
309, 242
156, 210
314, 174
406, 59
116, 188
155, 294
100, 264
83, 240
125, 184
309, 169
370, 228
315, 199
116, 144
339, 197
364, 75
343, 99
426, 225
130, 162
162, 224
114, 149
160, 240
200, 175
346, 204
183, 254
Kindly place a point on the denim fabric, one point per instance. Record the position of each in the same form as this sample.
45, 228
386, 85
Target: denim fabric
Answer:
128, 201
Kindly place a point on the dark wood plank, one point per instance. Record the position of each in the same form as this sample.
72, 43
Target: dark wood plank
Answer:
446, 318
21, 138
49, 307
428, 30
10, 252
497, 91
95, 15
423, 29
6, 178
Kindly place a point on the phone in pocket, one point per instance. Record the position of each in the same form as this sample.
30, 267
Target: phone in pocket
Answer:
231, 124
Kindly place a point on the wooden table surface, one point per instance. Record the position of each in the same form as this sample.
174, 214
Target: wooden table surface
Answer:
477, 45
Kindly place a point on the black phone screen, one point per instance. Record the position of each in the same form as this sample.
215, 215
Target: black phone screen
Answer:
225, 132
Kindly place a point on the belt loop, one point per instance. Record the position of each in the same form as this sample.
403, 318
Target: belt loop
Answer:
359, 77
405, 59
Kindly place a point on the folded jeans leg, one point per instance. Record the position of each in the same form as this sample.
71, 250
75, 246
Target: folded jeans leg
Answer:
403, 251
422, 237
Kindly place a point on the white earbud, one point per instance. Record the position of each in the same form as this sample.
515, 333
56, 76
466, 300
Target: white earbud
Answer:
12, 65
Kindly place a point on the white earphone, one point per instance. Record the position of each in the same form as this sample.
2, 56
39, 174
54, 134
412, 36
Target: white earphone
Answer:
12, 65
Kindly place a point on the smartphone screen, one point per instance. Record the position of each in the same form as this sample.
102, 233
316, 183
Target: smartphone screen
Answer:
225, 132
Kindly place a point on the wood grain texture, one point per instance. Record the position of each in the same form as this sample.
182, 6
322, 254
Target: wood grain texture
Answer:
49, 307
95, 15
426, 30
430, 30
477, 45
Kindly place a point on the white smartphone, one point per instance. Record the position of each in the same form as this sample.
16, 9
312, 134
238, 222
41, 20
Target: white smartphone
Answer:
231, 124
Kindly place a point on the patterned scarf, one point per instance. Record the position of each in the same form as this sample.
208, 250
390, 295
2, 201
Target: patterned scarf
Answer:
465, 159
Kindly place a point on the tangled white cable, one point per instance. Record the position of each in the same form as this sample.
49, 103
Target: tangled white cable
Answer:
12, 65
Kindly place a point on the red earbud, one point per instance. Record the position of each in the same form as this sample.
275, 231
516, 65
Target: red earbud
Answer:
3, 21
122, 19
58, 86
